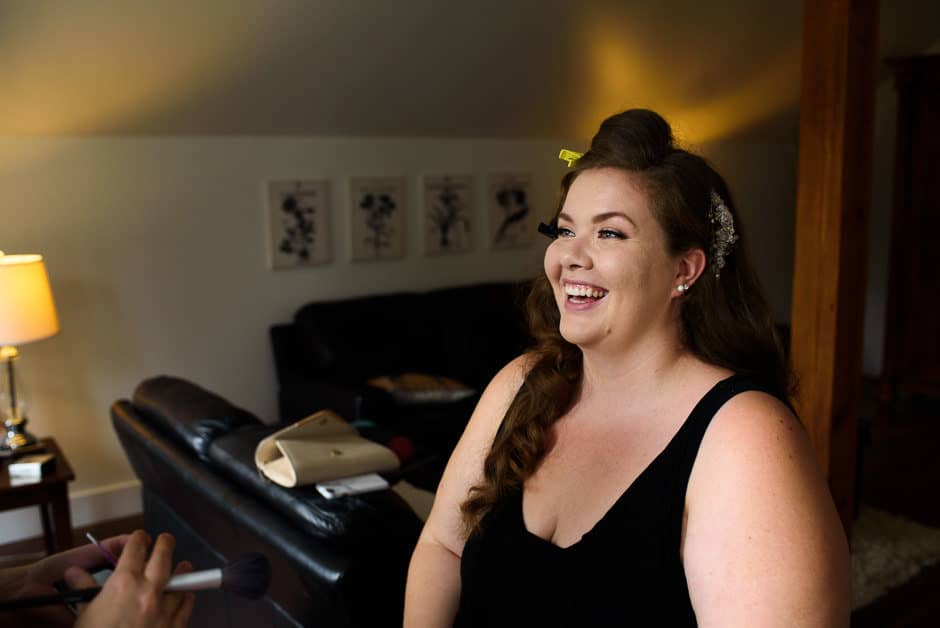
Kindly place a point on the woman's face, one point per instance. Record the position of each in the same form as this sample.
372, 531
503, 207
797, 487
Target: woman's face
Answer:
612, 276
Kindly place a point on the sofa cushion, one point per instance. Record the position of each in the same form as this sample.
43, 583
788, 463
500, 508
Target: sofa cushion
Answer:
479, 329
191, 414
352, 521
416, 388
355, 339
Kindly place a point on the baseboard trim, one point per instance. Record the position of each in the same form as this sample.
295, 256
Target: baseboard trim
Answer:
89, 506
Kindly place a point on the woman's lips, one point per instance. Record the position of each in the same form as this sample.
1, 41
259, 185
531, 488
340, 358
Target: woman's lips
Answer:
577, 289
572, 306
582, 302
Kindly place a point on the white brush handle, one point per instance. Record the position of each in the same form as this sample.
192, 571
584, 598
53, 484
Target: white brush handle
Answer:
196, 581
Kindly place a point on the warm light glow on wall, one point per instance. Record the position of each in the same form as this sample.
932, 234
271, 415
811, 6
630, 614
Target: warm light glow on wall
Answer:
623, 76
619, 79
746, 102
85, 71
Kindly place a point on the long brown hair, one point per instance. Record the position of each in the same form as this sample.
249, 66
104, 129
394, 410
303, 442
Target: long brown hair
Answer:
724, 319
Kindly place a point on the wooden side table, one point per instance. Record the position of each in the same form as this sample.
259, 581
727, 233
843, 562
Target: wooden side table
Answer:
50, 493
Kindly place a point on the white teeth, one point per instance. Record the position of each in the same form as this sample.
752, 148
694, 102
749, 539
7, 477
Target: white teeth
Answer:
584, 291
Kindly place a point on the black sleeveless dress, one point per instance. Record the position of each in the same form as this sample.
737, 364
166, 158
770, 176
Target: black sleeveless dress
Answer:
624, 572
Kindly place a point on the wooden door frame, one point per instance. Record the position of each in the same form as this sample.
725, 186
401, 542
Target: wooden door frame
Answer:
836, 143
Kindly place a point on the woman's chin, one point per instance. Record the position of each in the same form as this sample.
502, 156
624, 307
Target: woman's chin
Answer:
579, 336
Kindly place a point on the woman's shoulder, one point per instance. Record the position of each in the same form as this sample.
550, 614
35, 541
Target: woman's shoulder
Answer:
759, 510
754, 432
497, 397
508, 380
520, 366
756, 418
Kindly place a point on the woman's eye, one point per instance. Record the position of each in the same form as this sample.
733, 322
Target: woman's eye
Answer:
611, 233
564, 232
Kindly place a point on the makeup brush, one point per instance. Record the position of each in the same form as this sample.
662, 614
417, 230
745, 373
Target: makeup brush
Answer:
249, 576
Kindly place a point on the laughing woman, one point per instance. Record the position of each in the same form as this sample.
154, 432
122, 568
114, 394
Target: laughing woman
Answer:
640, 466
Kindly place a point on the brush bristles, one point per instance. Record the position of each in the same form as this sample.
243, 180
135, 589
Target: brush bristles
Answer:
249, 576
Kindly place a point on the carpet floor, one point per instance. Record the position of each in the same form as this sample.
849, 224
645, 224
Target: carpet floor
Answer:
899, 474
888, 551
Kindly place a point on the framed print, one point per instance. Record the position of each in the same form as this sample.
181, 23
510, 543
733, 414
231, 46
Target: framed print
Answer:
298, 223
509, 215
447, 214
377, 218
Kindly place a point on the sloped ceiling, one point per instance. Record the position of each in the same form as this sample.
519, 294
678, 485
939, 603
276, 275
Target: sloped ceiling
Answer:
511, 68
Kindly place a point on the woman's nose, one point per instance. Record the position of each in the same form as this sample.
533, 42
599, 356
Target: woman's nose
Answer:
576, 254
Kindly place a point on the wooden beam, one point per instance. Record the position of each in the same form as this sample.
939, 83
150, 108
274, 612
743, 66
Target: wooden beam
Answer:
837, 103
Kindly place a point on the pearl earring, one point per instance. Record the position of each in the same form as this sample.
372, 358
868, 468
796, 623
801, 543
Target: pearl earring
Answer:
682, 287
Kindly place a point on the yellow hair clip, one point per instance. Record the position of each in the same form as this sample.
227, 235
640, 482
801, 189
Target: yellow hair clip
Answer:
570, 156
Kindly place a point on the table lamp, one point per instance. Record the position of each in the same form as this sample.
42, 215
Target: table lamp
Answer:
27, 313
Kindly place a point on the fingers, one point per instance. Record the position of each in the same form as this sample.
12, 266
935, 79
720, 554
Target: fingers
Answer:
52, 568
158, 567
77, 578
181, 617
175, 603
115, 544
89, 556
84, 556
135, 553
183, 567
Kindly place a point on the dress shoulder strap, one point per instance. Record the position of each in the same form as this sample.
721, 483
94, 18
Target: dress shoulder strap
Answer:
698, 422
706, 409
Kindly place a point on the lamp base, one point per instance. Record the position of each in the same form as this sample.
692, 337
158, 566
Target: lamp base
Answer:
16, 435
14, 419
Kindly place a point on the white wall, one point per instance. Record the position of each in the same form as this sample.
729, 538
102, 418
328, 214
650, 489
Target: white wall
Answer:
762, 178
156, 253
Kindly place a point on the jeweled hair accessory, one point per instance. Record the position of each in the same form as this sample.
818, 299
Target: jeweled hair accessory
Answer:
570, 156
725, 237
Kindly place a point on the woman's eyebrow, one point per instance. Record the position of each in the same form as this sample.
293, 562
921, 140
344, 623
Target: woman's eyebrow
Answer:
600, 217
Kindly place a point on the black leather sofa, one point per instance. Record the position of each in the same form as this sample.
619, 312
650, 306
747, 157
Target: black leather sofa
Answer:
327, 354
340, 562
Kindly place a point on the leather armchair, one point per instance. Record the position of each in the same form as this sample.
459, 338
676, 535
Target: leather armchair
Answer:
339, 562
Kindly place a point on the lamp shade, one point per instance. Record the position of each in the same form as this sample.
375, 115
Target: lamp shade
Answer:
27, 311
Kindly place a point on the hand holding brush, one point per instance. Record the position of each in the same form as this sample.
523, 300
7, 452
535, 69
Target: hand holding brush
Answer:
38, 579
134, 594
141, 592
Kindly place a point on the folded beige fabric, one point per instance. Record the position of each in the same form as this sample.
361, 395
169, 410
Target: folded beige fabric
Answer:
318, 448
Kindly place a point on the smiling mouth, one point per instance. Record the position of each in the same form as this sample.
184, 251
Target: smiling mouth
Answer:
584, 294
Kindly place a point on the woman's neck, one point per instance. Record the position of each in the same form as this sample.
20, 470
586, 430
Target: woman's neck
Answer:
647, 367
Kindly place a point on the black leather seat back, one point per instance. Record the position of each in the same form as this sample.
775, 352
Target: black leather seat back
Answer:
356, 339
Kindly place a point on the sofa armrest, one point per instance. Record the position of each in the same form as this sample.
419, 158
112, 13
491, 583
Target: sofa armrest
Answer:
190, 414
